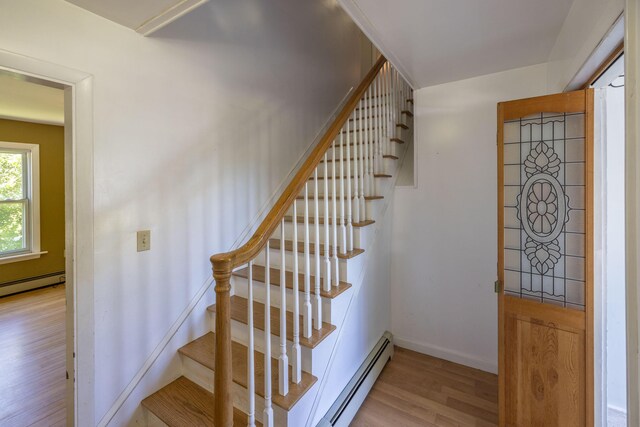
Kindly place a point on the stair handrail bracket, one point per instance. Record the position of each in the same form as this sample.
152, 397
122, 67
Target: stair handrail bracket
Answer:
225, 263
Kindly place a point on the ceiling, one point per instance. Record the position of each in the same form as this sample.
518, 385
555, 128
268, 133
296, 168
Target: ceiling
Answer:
436, 41
143, 16
26, 101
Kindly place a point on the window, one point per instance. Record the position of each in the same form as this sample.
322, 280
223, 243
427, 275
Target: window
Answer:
19, 202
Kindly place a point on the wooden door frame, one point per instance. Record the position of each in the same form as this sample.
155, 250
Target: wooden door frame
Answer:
578, 101
78, 153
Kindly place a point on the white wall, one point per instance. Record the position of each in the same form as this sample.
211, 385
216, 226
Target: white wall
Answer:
444, 247
586, 24
194, 130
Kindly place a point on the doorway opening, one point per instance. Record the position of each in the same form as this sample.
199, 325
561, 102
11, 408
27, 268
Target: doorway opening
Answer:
610, 205
33, 219
78, 233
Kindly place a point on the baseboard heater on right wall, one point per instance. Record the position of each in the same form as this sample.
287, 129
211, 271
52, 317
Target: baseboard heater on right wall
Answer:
347, 404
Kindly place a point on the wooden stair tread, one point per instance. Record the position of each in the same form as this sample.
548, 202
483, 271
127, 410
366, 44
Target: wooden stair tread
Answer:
330, 160
331, 197
289, 218
402, 125
288, 246
410, 100
375, 175
353, 143
377, 105
202, 350
184, 403
390, 156
386, 156
259, 276
368, 117
239, 313
408, 113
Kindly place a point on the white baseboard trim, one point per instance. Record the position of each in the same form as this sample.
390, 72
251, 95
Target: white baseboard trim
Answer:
29, 285
349, 401
447, 354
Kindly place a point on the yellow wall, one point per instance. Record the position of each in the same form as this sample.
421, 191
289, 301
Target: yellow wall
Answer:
51, 141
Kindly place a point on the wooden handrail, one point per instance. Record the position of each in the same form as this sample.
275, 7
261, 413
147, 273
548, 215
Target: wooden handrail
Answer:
225, 263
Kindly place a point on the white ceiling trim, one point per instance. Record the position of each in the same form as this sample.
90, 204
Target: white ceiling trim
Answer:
611, 40
166, 17
363, 22
142, 16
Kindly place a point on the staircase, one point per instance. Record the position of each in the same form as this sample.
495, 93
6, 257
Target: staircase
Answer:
282, 298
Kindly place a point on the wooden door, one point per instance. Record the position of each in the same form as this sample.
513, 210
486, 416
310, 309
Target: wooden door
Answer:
545, 260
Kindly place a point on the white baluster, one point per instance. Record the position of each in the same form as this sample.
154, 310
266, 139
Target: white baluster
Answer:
267, 413
406, 95
383, 96
349, 181
336, 265
399, 93
327, 241
361, 203
388, 109
396, 102
394, 117
283, 360
380, 118
296, 354
376, 127
370, 110
385, 147
306, 306
251, 385
356, 200
382, 147
317, 316
343, 225
370, 148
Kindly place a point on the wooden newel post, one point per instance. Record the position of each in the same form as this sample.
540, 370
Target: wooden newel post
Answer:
222, 383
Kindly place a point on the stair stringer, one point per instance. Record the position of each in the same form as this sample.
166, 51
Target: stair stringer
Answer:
366, 317
344, 350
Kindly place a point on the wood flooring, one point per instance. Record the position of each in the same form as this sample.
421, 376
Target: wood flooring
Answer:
32, 358
419, 390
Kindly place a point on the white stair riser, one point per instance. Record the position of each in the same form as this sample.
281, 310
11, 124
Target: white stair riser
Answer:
347, 181
300, 206
374, 106
152, 420
276, 262
369, 120
388, 165
259, 294
204, 377
239, 333
288, 230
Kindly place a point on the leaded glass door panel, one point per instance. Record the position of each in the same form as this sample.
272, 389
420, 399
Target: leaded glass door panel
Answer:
545, 215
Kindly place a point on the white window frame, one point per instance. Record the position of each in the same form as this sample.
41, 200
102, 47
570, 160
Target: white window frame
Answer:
31, 177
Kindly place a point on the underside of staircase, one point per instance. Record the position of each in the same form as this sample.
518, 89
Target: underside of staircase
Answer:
299, 244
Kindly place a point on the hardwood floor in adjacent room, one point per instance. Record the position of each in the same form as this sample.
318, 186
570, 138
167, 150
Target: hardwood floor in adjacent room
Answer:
419, 390
32, 358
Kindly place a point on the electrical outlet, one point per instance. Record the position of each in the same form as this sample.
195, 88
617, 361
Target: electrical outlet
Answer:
144, 240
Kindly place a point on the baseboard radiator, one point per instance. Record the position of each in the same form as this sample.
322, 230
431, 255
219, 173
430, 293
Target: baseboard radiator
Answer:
347, 404
31, 283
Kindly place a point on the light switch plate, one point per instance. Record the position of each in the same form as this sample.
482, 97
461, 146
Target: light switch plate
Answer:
144, 240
